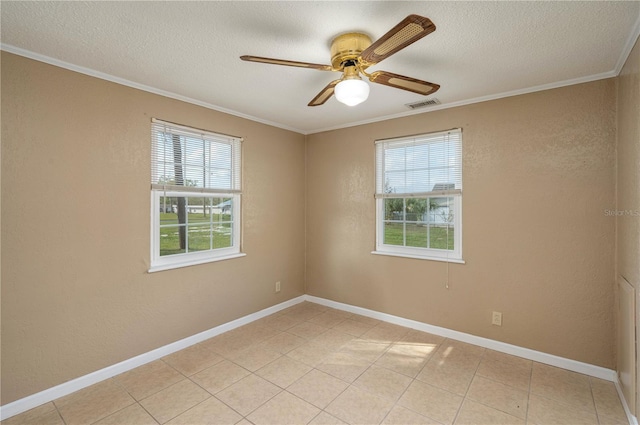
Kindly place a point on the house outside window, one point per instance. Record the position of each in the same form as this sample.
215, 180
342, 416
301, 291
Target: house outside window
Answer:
419, 196
195, 196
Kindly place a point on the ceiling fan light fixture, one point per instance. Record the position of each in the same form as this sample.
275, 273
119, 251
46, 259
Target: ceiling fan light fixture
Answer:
352, 91
352, 53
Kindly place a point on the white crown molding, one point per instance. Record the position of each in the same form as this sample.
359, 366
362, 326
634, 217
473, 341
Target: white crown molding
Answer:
631, 41
143, 87
108, 77
564, 83
624, 54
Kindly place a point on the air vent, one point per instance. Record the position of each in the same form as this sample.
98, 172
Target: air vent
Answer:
423, 103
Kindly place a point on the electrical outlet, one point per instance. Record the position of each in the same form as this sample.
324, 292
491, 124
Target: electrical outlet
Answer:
278, 286
496, 318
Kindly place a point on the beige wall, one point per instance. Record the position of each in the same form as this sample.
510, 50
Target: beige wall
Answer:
538, 173
76, 295
628, 190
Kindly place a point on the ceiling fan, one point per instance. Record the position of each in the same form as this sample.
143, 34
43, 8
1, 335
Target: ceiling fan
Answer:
353, 53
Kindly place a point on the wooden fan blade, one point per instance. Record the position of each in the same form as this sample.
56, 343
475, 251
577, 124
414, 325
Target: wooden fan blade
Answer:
408, 31
325, 94
287, 63
404, 83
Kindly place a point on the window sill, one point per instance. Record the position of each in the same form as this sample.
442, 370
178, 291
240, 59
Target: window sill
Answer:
188, 263
420, 257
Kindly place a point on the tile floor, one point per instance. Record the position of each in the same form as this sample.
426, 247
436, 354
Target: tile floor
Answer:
310, 364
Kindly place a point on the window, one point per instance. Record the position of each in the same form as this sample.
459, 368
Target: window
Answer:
419, 196
195, 196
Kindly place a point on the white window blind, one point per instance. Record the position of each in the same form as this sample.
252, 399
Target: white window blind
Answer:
195, 196
420, 166
419, 196
185, 159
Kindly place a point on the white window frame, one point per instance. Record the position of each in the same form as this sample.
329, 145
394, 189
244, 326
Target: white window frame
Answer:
158, 191
453, 256
166, 262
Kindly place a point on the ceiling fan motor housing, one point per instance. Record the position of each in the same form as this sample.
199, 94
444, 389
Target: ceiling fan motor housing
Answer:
353, 52
347, 47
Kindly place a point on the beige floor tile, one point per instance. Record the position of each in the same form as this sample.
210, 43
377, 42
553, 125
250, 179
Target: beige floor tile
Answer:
364, 319
148, 379
497, 356
133, 414
292, 308
383, 382
228, 344
46, 414
473, 413
318, 388
282, 343
421, 338
514, 374
499, 396
364, 349
253, 359
255, 332
280, 322
604, 420
353, 327
386, 332
284, 371
248, 394
379, 359
284, 409
432, 402
446, 357
304, 314
543, 411
562, 385
307, 330
332, 339
259, 334
342, 313
401, 416
92, 391
93, 403
608, 404
458, 348
326, 419
356, 406
211, 412
310, 353
218, 377
343, 366
452, 366
448, 376
328, 319
192, 359
172, 401
407, 359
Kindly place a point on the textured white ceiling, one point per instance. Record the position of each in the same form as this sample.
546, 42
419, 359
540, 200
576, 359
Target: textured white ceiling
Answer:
190, 50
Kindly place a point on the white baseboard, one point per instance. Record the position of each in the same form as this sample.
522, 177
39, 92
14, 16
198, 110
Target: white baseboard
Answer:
632, 419
538, 356
69, 387
37, 399
550, 359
